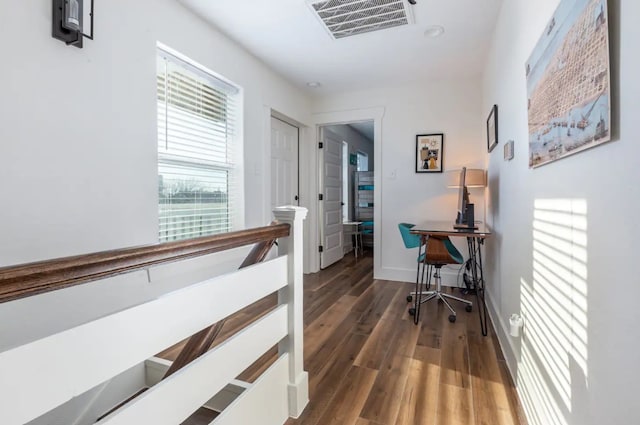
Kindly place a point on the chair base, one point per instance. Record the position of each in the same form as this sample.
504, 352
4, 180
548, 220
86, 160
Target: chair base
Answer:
442, 296
439, 295
413, 294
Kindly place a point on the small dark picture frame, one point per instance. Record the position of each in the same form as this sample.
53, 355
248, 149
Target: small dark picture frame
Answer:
429, 153
492, 129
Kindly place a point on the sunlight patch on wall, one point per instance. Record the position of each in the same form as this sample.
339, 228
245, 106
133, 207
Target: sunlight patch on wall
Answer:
554, 307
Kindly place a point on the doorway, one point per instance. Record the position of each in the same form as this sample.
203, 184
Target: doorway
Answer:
346, 188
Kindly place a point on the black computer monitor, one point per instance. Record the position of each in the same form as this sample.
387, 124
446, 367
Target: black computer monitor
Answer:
463, 198
462, 215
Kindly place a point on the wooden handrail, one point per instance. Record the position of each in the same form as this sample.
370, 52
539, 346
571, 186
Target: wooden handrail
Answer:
45, 276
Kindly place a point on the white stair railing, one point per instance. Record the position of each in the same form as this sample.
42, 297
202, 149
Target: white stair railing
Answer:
39, 376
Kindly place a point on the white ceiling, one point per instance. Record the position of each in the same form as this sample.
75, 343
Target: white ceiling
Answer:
290, 38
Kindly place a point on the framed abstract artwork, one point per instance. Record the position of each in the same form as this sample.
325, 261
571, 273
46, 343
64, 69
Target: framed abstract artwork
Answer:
429, 153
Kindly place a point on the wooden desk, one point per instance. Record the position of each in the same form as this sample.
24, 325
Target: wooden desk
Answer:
475, 238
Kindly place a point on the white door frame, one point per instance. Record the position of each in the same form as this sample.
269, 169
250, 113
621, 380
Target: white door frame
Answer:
344, 117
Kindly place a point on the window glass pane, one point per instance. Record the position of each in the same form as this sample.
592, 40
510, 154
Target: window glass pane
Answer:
196, 119
192, 202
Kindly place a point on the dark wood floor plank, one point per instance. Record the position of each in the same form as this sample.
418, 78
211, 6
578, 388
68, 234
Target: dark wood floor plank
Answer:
202, 416
319, 302
399, 307
320, 329
420, 399
517, 412
360, 286
316, 364
431, 326
324, 384
258, 367
377, 346
455, 359
455, 406
374, 311
352, 394
490, 394
383, 403
324, 295
362, 421
316, 281
369, 295
404, 338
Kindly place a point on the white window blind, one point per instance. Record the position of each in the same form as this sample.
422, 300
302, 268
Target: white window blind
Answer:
196, 120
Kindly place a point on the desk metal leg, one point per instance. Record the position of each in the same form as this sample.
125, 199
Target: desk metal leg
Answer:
356, 243
420, 281
477, 272
416, 303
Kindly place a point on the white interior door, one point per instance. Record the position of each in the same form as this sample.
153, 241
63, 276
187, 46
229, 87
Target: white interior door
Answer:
331, 203
284, 164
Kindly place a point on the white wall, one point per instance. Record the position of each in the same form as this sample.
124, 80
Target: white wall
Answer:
78, 126
577, 364
450, 107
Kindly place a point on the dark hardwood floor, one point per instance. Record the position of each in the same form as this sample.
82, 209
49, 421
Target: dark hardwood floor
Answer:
369, 364
201, 416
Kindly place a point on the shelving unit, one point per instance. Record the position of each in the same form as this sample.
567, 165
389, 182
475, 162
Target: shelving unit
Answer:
363, 187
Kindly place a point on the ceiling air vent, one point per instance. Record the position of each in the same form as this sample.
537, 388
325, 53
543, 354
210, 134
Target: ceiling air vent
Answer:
344, 18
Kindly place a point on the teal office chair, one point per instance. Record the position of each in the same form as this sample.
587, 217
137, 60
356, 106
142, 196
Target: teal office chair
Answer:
412, 241
439, 252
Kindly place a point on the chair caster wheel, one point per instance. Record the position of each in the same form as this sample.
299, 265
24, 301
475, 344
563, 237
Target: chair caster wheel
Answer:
452, 318
412, 312
409, 298
468, 308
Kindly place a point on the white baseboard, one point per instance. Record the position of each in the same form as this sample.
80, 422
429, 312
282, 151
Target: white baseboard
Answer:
506, 341
449, 276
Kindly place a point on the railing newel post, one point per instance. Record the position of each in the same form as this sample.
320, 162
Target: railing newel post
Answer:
292, 295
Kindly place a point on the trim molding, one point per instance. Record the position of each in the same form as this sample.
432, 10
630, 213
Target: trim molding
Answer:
397, 274
509, 350
375, 114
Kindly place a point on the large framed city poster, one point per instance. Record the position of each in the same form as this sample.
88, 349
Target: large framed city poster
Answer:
568, 83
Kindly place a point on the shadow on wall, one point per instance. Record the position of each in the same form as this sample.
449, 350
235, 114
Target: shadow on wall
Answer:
553, 367
493, 202
493, 244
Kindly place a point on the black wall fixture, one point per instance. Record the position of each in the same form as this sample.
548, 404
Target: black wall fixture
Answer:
68, 21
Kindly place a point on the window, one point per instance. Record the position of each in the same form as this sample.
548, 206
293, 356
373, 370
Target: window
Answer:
196, 164
363, 161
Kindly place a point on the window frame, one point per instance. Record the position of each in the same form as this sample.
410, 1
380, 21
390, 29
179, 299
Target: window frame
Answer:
234, 161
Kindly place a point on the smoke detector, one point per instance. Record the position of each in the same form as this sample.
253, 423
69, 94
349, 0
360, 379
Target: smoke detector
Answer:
344, 18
